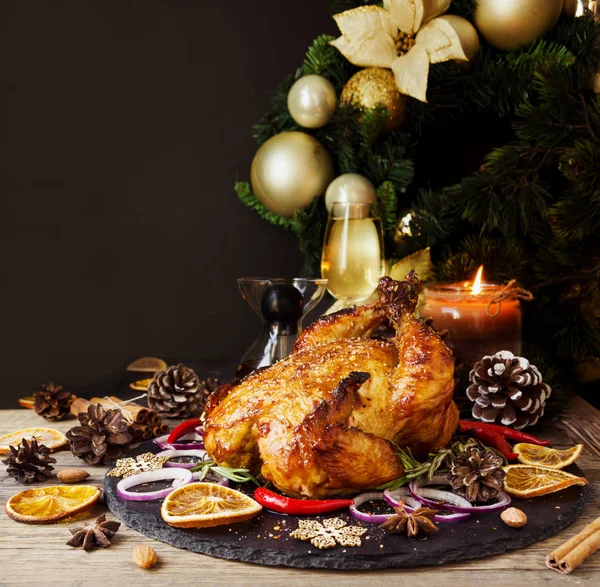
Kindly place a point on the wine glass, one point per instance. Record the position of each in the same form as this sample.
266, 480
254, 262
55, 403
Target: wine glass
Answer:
281, 303
353, 254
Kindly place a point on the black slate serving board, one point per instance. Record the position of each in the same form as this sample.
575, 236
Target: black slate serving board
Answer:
265, 540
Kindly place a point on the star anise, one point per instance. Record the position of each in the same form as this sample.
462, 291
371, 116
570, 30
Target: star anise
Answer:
97, 535
411, 523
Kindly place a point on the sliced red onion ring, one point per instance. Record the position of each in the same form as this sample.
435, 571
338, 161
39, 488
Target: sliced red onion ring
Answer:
392, 499
161, 442
364, 517
411, 504
182, 453
180, 477
401, 494
446, 500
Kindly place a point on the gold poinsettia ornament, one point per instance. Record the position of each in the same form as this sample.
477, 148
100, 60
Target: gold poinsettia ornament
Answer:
404, 36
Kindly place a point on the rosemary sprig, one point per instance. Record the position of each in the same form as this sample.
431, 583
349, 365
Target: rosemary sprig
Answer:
238, 475
413, 469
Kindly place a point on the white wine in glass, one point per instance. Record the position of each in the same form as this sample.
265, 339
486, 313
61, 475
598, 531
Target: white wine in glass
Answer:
353, 253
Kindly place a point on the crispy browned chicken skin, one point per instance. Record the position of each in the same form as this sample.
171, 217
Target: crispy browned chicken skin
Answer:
319, 422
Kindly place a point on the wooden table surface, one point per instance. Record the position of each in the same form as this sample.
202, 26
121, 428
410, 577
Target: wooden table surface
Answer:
37, 555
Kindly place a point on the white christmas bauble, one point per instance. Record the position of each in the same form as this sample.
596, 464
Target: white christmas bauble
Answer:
467, 34
350, 187
289, 171
312, 101
509, 24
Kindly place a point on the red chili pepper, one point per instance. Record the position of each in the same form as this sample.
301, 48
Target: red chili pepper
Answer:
183, 429
511, 433
496, 440
288, 505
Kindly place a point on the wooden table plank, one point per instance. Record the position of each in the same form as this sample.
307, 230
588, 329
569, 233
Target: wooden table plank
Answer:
37, 555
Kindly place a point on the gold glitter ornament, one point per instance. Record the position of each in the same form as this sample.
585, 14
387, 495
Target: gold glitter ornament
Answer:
289, 171
375, 86
509, 24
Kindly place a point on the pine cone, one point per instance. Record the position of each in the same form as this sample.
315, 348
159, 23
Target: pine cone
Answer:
102, 437
478, 475
52, 402
176, 392
29, 462
508, 390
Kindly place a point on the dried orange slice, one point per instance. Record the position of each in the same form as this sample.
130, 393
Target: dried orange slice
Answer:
147, 365
531, 481
46, 505
542, 456
141, 384
203, 505
53, 439
26, 402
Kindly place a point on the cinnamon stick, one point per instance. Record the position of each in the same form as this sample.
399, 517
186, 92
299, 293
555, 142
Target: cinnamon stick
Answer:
79, 405
154, 419
572, 553
141, 414
135, 413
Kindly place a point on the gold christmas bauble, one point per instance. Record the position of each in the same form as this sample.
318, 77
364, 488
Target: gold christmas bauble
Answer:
373, 87
350, 187
312, 101
508, 24
289, 171
467, 34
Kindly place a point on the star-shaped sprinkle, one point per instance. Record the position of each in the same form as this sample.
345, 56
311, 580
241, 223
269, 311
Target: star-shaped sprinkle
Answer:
331, 532
144, 462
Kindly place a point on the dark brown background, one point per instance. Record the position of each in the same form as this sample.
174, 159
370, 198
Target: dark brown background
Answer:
125, 124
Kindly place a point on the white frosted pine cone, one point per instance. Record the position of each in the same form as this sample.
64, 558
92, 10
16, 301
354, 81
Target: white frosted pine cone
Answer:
507, 390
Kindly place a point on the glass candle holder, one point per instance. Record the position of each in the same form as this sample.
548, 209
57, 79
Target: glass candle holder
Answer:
281, 304
472, 332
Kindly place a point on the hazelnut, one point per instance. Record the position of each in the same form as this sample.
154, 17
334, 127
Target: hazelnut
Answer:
144, 556
514, 518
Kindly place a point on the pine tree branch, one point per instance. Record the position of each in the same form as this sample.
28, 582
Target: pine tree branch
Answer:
249, 199
587, 116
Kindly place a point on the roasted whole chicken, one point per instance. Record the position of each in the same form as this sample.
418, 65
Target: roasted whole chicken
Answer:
319, 423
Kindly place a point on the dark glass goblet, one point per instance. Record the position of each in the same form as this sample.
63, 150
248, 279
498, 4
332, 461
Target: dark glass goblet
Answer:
282, 304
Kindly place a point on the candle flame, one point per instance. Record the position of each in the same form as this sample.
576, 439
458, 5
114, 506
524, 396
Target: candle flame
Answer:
476, 289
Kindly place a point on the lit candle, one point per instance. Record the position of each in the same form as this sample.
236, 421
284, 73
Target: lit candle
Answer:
462, 309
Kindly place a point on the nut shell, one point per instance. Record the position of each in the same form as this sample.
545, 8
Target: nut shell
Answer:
72, 475
514, 517
144, 556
